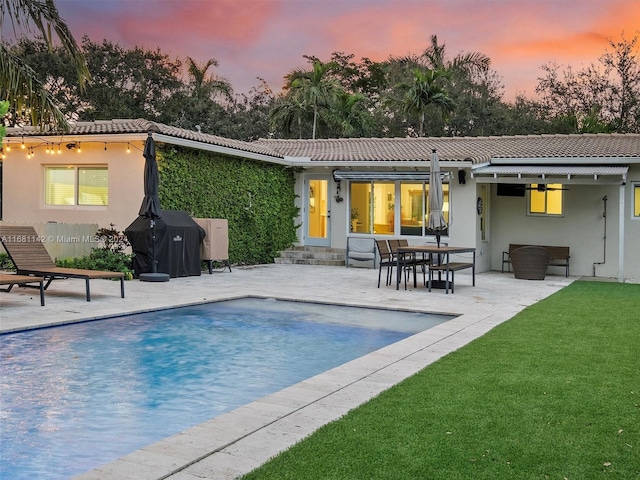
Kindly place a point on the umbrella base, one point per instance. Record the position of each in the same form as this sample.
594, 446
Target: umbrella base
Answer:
154, 277
441, 284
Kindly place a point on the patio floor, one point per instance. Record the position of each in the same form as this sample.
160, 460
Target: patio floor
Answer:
236, 442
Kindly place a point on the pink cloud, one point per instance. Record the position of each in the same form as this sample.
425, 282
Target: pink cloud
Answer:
260, 38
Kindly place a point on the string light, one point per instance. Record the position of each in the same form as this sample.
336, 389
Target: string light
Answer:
51, 148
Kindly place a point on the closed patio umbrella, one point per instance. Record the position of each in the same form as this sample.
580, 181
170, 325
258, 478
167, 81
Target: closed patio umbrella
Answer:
150, 207
436, 220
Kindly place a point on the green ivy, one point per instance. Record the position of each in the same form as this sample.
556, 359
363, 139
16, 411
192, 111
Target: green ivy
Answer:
256, 198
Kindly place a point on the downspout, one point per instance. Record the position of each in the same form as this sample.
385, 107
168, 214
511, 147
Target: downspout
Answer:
621, 232
604, 238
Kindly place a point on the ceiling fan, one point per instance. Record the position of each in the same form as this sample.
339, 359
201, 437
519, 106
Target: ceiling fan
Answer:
541, 187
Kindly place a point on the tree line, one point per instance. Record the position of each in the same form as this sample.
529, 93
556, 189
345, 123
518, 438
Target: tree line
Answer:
429, 94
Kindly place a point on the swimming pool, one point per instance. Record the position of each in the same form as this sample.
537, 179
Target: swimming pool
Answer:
78, 396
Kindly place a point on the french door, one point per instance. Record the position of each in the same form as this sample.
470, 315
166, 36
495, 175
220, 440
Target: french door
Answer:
317, 211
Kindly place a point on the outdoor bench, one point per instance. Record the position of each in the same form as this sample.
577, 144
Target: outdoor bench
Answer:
451, 267
559, 256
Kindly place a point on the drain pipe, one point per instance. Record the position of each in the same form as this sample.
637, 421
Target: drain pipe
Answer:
604, 241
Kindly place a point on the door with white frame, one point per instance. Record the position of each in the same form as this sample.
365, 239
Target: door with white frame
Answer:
317, 211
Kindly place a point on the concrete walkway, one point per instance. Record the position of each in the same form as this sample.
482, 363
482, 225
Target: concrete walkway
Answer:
237, 442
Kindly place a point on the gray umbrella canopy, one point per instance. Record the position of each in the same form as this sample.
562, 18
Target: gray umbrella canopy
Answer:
151, 203
436, 220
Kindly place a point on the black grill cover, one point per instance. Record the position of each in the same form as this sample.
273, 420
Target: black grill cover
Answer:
177, 246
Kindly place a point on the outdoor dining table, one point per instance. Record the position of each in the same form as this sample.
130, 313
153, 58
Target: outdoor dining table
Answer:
444, 265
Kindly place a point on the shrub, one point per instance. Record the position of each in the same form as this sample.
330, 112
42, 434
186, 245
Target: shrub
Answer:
109, 256
6, 264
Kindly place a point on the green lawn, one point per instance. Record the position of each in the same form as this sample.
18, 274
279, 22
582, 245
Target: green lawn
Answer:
554, 393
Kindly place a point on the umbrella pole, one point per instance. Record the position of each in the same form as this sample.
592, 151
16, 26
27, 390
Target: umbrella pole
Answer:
154, 276
154, 264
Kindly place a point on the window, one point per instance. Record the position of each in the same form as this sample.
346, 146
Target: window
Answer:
546, 199
76, 185
391, 208
636, 200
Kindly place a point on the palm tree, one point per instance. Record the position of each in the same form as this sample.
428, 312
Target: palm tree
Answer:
350, 115
289, 110
204, 87
19, 84
424, 90
317, 86
435, 57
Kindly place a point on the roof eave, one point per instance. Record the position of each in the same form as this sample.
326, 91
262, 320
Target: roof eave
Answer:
586, 160
209, 147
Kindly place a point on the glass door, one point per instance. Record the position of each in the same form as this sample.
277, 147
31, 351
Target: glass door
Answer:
317, 211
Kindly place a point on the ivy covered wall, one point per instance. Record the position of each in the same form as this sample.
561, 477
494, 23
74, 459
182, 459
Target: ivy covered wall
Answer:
257, 198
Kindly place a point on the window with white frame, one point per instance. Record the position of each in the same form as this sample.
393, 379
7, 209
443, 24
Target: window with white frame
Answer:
76, 185
392, 208
546, 199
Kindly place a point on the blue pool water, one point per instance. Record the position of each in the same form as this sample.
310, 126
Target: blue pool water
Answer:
77, 396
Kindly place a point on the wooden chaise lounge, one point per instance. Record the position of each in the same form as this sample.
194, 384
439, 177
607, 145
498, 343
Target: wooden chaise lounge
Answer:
26, 250
11, 279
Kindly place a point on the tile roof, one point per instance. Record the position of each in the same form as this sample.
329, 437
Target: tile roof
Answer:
110, 127
477, 149
358, 150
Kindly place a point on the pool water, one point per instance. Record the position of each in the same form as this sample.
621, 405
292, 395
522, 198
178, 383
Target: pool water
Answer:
78, 396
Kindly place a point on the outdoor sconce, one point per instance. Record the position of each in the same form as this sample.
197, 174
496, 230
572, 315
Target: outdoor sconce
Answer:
338, 198
462, 176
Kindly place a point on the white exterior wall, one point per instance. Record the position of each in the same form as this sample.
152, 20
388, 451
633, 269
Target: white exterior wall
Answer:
462, 231
581, 228
26, 203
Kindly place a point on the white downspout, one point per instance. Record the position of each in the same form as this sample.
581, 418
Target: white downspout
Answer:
621, 235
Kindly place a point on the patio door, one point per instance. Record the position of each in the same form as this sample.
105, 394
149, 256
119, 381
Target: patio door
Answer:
317, 211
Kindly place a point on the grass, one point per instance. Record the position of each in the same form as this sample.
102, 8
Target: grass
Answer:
554, 393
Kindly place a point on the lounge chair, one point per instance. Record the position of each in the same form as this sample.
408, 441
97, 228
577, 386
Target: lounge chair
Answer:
26, 250
11, 279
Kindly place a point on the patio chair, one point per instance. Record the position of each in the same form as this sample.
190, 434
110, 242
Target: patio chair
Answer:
26, 250
12, 279
530, 262
386, 260
407, 260
360, 249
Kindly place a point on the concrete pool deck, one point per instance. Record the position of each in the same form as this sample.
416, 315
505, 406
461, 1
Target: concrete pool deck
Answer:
235, 443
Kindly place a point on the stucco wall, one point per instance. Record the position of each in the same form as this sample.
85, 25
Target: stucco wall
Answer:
582, 228
463, 215
26, 203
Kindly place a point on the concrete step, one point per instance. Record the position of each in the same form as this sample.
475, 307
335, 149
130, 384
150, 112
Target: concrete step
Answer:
308, 261
311, 256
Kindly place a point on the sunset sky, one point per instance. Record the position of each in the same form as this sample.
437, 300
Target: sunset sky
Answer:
268, 38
